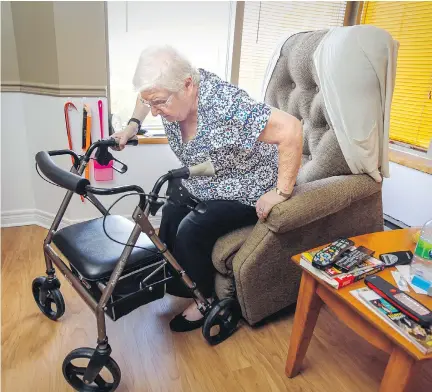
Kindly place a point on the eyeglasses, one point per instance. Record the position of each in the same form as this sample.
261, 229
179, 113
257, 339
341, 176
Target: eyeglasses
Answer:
159, 103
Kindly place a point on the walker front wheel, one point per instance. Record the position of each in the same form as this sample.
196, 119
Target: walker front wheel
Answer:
50, 301
221, 322
75, 365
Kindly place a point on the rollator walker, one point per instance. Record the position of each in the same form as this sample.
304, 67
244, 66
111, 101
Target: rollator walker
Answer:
114, 264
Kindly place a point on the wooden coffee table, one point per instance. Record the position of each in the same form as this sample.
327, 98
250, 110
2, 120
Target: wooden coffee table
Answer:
314, 293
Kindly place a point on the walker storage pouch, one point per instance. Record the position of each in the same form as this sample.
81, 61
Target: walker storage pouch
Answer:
129, 293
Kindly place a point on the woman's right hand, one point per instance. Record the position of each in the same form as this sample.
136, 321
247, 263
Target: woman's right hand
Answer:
123, 136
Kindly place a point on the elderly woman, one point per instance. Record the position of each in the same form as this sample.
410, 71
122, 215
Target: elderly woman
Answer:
256, 151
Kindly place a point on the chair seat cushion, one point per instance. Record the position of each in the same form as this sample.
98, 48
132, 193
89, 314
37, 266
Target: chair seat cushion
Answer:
226, 247
94, 255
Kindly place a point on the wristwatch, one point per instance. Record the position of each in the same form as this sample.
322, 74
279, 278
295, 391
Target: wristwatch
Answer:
135, 120
285, 195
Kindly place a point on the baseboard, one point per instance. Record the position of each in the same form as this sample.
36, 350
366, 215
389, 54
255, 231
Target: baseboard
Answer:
30, 217
44, 219
18, 218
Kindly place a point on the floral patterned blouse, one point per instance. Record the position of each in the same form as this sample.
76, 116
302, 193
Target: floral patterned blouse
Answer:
229, 124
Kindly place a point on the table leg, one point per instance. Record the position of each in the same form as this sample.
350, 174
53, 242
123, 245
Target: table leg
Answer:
308, 308
398, 371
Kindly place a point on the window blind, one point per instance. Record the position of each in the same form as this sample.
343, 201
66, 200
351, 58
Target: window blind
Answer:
410, 24
265, 23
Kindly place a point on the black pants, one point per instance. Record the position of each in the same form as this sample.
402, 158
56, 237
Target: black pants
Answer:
190, 237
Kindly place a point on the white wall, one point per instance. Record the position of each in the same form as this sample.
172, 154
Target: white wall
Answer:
31, 123
407, 195
16, 185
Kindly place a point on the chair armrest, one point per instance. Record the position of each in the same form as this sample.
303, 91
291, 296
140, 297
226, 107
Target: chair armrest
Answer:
317, 199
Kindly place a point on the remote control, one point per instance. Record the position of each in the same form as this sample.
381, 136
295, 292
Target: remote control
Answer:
354, 258
402, 301
397, 258
326, 257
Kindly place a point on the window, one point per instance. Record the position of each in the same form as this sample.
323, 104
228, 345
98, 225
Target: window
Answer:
410, 24
200, 30
266, 23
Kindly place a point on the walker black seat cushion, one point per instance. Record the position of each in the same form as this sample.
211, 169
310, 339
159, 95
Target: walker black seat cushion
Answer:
94, 255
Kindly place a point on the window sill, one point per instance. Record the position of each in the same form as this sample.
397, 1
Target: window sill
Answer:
410, 158
152, 140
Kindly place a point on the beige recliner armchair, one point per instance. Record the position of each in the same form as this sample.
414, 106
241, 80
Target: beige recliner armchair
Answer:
328, 202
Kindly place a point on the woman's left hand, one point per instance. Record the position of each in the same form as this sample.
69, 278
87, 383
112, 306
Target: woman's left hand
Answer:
266, 202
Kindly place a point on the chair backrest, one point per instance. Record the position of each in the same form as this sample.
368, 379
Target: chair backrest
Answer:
294, 88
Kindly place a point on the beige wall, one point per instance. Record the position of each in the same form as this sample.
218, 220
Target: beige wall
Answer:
9, 61
54, 48
81, 43
35, 42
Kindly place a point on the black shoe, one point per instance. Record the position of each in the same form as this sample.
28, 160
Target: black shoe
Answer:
180, 324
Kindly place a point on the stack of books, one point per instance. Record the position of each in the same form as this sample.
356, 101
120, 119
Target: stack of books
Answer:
338, 279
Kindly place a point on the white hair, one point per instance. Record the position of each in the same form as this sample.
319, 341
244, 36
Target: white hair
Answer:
163, 67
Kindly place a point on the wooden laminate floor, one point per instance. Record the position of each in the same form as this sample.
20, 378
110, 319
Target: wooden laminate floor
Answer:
151, 358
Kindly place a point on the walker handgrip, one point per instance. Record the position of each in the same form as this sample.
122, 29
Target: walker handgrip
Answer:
205, 169
59, 176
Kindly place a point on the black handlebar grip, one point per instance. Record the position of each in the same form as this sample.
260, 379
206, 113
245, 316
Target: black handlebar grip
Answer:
113, 142
132, 142
183, 172
59, 176
66, 152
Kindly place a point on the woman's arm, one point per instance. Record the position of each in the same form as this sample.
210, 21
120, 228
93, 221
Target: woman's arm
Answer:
286, 132
140, 113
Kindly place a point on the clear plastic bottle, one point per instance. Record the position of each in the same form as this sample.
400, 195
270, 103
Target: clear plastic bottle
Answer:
422, 260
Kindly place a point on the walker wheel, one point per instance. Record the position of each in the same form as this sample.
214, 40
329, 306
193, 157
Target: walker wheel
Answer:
75, 365
221, 322
50, 301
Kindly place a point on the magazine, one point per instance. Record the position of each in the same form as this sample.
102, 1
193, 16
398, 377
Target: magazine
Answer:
335, 278
420, 336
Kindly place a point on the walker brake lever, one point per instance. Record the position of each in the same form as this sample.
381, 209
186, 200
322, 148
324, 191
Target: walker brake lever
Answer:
123, 168
177, 194
197, 205
201, 208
